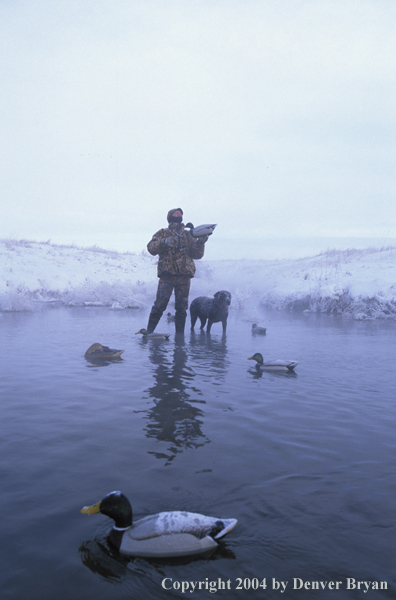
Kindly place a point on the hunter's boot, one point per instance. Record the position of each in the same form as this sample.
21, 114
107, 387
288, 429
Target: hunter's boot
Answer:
152, 322
180, 321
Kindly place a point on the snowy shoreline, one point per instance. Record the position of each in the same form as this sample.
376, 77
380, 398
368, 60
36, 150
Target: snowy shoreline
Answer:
358, 284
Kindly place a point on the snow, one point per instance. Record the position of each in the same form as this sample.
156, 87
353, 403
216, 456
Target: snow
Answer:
354, 283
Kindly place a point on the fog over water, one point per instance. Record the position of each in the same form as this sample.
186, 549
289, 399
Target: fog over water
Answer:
354, 283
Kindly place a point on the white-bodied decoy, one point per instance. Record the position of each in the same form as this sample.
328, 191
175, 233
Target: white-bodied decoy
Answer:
201, 229
258, 330
166, 534
154, 335
273, 365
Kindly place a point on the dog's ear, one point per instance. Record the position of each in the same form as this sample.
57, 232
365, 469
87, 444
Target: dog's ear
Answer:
217, 295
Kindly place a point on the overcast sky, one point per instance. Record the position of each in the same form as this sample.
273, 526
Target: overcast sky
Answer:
268, 117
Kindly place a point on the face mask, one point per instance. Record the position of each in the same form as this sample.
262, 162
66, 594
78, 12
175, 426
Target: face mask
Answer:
175, 219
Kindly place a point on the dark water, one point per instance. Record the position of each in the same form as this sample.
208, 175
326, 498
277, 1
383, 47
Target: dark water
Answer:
305, 463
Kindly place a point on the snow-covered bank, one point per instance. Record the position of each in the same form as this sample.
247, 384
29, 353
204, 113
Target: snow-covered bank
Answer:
354, 283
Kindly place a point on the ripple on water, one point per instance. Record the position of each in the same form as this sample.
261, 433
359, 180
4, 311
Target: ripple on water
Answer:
305, 463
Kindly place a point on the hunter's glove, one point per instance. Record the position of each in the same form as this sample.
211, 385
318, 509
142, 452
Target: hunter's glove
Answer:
170, 242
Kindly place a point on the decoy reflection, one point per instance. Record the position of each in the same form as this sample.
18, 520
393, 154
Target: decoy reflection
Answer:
103, 560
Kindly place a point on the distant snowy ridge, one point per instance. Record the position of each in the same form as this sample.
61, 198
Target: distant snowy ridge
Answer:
360, 284
354, 283
42, 272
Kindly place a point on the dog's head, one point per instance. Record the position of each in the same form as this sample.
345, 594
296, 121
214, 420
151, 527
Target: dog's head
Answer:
223, 298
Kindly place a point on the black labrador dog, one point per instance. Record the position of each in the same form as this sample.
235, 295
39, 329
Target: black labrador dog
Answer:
213, 310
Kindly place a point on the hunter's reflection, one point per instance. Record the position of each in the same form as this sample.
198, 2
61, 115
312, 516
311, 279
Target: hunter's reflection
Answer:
174, 419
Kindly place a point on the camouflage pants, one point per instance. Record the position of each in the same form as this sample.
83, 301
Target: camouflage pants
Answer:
180, 284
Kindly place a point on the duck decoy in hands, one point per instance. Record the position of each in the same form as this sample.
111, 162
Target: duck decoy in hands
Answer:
201, 229
258, 330
273, 365
154, 335
166, 534
97, 351
170, 318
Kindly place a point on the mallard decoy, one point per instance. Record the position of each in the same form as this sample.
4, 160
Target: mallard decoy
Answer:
258, 330
273, 365
154, 335
166, 534
201, 229
170, 318
97, 351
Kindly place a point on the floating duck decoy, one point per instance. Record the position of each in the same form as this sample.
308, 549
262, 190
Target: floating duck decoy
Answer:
97, 351
273, 365
170, 318
201, 229
154, 335
166, 534
258, 330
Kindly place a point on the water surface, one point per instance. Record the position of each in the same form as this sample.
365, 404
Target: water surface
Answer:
306, 463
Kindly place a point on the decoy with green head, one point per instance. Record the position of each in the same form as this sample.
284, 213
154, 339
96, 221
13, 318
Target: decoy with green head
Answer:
258, 330
165, 534
273, 365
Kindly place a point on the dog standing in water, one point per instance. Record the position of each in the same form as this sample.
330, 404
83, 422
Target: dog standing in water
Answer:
212, 310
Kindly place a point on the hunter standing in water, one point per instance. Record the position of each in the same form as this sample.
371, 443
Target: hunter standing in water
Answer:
176, 249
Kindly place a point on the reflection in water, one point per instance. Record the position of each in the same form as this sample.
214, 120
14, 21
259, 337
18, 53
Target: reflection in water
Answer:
174, 419
102, 362
102, 560
98, 556
301, 455
211, 354
258, 373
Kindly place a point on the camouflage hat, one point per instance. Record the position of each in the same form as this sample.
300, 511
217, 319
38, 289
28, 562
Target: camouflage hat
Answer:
170, 213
